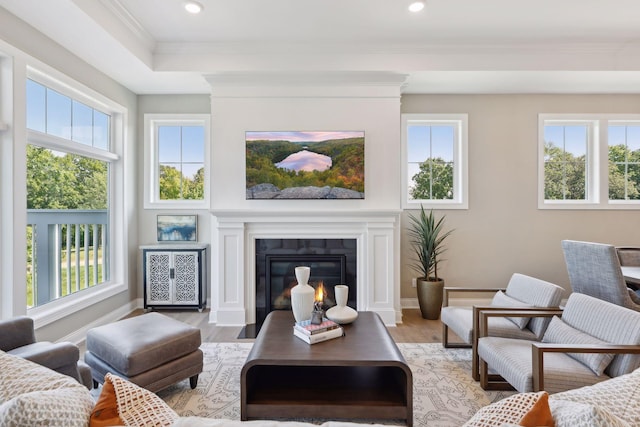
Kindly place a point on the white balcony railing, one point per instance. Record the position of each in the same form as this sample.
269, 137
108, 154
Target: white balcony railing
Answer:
66, 252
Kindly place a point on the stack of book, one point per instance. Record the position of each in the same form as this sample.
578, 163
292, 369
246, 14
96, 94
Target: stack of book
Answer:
315, 333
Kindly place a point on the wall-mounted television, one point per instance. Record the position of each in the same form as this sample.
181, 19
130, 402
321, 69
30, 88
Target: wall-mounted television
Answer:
305, 165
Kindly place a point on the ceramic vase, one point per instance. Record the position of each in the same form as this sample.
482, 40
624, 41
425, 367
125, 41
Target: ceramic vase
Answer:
342, 294
302, 295
341, 313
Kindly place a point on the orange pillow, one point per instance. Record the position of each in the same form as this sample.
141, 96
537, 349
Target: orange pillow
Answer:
539, 414
105, 412
524, 409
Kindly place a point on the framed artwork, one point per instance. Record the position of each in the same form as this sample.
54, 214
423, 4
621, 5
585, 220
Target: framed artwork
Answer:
305, 165
177, 228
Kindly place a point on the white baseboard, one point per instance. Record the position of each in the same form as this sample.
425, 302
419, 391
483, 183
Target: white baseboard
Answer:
410, 303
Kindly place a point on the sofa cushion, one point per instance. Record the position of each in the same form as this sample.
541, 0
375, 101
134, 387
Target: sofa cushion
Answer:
33, 395
572, 414
121, 402
619, 396
525, 409
501, 299
559, 332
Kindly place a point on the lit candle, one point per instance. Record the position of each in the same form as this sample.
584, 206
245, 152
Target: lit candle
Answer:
318, 314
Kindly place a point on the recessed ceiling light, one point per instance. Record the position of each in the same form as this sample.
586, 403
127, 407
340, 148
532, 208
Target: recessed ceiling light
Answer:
416, 6
193, 7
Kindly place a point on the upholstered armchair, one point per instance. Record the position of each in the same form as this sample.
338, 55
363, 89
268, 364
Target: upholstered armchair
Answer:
593, 340
17, 337
522, 292
629, 256
594, 269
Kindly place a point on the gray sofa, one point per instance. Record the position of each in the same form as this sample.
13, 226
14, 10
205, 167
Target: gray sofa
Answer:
17, 337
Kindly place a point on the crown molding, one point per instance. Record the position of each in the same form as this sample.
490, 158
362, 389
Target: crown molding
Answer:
291, 78
480, 46
132, 24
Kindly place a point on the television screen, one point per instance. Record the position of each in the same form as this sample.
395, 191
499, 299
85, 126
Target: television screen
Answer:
305, 165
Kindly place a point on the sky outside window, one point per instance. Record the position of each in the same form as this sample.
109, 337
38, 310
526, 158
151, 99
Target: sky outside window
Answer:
56, 114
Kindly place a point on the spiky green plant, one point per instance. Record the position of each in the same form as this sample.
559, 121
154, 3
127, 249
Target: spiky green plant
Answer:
427, 238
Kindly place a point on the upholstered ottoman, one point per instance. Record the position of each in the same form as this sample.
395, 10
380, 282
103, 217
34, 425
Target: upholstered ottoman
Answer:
153, 351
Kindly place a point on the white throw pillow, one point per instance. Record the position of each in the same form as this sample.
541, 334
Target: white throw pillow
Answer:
619, 396
500, 299
33, 395
559, 332
572, 414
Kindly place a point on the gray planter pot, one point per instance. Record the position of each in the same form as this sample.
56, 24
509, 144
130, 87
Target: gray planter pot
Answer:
430, 298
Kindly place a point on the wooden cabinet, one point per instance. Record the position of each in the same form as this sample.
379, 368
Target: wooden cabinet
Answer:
175, 276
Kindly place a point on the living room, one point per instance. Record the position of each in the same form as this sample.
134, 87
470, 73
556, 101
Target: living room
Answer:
502, 86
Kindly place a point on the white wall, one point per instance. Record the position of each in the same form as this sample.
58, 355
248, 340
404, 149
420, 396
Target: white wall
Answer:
372, 109
503, 231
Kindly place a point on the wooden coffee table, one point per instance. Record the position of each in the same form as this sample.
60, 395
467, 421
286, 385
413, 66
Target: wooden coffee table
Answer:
362, 375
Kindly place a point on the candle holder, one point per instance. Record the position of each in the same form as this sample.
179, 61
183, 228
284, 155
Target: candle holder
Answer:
317, 314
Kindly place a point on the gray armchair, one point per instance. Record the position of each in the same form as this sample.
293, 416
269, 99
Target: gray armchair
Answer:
522, 291
591, 341
594, 269
17, 337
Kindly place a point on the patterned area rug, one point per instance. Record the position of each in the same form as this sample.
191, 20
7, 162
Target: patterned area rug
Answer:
444, 393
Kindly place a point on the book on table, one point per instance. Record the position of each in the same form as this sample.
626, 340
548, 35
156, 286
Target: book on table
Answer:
308, 328
319, 337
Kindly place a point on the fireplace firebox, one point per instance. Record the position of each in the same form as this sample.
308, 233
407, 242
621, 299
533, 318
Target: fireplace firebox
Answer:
332, 262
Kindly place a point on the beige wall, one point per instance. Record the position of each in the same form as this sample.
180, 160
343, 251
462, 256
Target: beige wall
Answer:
164, 104
503, 231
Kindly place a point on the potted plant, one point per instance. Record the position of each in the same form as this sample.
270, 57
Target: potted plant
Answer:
427, 238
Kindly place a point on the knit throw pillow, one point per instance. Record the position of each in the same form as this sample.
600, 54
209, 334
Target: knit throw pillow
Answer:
524, 409
123, 403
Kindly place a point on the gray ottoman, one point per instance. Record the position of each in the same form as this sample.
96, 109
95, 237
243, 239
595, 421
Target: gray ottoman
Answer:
153, 351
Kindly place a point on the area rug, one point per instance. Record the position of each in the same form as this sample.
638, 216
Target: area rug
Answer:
444, 394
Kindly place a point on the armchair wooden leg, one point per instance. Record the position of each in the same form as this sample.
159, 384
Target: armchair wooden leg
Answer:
447, 344
492, 382
475, 368
445, 336
484, 373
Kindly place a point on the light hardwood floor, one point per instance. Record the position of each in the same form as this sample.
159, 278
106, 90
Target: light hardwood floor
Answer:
412, 329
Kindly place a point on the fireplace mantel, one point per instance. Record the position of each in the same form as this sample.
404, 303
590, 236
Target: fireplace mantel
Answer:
234, 232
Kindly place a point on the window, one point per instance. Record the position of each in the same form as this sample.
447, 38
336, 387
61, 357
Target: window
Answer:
589, 161
624, 160
434, 150
176, 161
72, 158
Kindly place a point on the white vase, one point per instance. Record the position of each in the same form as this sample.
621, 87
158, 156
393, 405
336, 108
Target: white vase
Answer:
302, 295
341, 312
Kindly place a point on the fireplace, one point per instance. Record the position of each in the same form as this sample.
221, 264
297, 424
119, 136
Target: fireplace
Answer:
239, 237
332, 262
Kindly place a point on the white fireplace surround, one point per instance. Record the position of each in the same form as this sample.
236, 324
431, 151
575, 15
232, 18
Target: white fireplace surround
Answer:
234, 233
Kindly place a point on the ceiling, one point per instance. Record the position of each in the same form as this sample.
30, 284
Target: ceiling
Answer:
452, 46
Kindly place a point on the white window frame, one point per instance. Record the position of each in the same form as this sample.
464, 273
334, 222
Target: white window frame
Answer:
118, 230
460, 154
597, 196
151, 176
